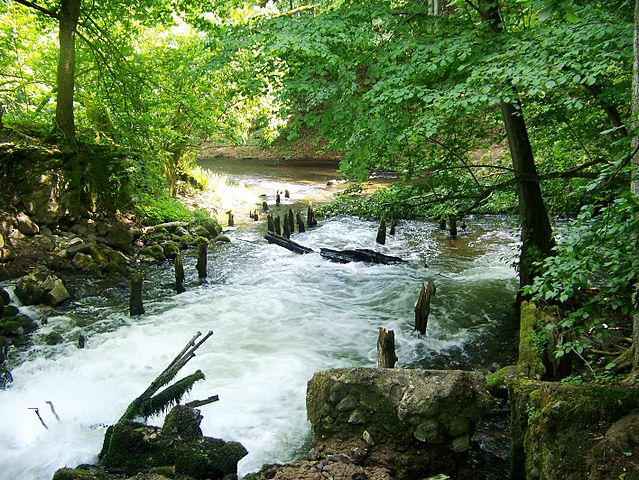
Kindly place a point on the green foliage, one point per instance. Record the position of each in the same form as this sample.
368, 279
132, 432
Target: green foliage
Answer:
169, 397
593, 272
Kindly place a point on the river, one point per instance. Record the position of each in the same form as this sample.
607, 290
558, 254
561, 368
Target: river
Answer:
277, 318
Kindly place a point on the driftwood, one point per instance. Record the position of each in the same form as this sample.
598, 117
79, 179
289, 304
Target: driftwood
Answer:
339, 256
135, 297
422, 309
381, 232
386, 357
359, 255
284, 242
179, 274
152, 401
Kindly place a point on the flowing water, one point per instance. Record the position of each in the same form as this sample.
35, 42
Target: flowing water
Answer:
277, 318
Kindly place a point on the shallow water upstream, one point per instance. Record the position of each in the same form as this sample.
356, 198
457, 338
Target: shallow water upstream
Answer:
277, 317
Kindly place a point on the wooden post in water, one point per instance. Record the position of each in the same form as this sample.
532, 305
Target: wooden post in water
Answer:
452, 225
291, 221
311, 222
300, 223
393, 225
231, 218
386, 357
265, 206
270, 223
82, 341
256, 216
442, 223
381, 232
422, 309
202, 253
287, 227
278, 200
135, 298
278, 225
287, 194
179, 274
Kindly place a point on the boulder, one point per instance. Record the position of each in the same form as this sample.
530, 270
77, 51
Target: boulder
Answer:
25, 225
222, 239
41, 286
5, 299
53, 338
17, 326
570, 432
119, 238
413, 422
200, 231
85, 263
171, 249
180, 446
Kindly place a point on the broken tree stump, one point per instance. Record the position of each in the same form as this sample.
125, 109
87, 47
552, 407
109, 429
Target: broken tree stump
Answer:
179, 274
442, 223
265, 206
270, 223
287, 194
278, 200
381, 232
311, 221
291, 220
231, 218
393, 225
135, 297
202, 253
386, 357
277, 223
452, 225
256, 216
286, 243
422, 309
287, 227
300, 223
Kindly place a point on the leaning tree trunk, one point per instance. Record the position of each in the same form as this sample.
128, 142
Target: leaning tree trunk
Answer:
536, 232
64, 120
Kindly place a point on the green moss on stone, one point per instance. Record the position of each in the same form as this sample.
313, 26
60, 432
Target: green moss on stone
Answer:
530, 364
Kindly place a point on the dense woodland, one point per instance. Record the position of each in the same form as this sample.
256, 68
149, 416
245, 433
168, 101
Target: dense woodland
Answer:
479, 106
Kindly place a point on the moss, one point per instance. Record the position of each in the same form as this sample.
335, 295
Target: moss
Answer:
530, 364
497, 380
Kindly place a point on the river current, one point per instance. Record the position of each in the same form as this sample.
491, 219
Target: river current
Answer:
277, 318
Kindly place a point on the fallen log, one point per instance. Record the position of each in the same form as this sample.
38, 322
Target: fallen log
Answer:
284, 242
359, 255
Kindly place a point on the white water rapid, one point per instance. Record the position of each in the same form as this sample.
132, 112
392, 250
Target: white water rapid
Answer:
277, 318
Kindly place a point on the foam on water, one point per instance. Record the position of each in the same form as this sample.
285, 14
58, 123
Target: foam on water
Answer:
277, 318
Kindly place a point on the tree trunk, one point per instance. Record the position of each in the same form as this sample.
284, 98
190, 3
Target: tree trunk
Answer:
64, 120
422, 308
634, 186
135, 298
536, 232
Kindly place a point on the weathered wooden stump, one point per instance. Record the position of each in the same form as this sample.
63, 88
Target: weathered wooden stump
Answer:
442, 223
179, 274
452, 225
256, 216
300, 223
278, 200
202, 253
287, 194
381, 232
135, 298
422, 309
231, 218
277, 223
393, 225
291, 220
82, 340
265, 206
386, 357
311, 221
270, 223
287, 227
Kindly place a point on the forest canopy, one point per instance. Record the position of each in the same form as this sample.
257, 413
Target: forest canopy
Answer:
510, 106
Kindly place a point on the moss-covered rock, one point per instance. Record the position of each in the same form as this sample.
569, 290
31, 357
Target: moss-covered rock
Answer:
53, 338
171, 249
17, 326
5, 299
41, 286
199, 231
135, 447
497, 382
530, 364
409, 421
573, 432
